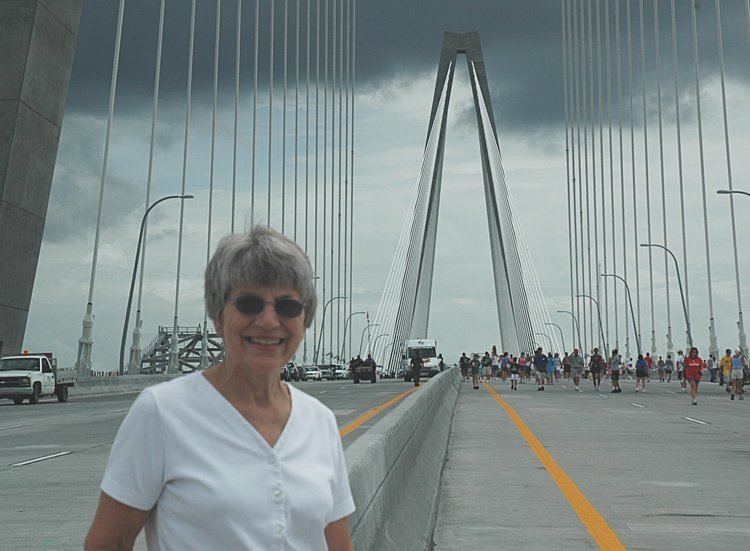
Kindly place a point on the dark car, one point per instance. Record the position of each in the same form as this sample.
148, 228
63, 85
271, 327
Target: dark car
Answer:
301, 373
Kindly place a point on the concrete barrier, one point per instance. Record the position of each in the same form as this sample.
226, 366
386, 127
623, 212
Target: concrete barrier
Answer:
395, 468
111, 385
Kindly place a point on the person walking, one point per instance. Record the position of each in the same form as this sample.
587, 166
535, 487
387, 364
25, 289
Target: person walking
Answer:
416, 367
514, 376
680, 363
522, 361
540, 368
558, 367
463, 364
596, 364
641, 374
739, 364
712, 365
475, 370
495, 363
725, 369
649, 366
486, 366
505, 366
660, 367
668, 367
550, 368
566, 366
693, 373
576, 367
615, 361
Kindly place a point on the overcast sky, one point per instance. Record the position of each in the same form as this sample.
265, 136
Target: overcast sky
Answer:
398, 45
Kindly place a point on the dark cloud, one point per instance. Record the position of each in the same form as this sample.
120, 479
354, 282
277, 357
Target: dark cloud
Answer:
75, 191
396, 39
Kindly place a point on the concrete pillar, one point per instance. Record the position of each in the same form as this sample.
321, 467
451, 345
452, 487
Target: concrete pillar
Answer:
37, 43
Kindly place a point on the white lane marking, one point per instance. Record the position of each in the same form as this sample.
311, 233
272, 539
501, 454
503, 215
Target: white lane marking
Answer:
115, 411
695, 420
712, 397
563, 386
38, 459
343, 412
12, 427
604, 396
323, 391
637, 405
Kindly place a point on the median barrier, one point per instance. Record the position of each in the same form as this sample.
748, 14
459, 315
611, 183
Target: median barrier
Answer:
86, 386
395, 469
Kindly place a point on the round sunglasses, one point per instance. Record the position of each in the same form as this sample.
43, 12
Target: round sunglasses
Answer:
252, 305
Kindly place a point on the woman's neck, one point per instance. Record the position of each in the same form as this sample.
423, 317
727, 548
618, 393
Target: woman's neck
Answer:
242, 384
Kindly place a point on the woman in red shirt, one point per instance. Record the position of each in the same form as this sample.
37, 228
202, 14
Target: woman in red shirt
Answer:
693, 368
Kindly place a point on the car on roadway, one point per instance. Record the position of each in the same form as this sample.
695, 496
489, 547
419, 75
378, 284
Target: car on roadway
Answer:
313, 373
340, 372
326, 371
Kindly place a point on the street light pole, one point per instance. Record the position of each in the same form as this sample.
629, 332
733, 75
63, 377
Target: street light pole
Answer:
740, 321
599, 315
362, 338
550, 340
322, 326
135, 270
632, 314
562, 337
375, 342
343, 340
682, 293
578, 328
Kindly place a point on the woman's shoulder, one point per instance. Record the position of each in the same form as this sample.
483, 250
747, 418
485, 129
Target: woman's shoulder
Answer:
181, 389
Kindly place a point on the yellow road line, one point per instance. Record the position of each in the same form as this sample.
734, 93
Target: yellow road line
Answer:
373, 412
603, 535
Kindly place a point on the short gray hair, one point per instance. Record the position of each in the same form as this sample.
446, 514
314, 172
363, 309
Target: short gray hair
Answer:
262, 257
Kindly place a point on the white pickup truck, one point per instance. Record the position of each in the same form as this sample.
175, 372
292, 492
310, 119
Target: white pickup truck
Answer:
31, 376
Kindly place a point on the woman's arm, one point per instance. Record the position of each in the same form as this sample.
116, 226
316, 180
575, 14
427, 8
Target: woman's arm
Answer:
116, 526
337, 536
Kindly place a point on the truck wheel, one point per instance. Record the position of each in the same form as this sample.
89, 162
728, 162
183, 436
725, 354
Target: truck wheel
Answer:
356, 381
18, 401
34, 398
373, 380
62, 394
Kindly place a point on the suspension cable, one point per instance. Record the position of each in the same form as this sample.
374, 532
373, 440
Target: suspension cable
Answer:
238, 40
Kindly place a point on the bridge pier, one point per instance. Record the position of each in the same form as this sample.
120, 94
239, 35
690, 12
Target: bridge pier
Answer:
37, 43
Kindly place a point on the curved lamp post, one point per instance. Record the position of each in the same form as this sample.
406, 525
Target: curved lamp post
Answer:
322, 326
562, 337
632, 314
375, 342
362, 338
548, 338
682, 293
599, 315
578, 329
346, 324
135, 270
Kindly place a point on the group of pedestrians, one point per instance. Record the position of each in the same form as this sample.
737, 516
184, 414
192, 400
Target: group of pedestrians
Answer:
548, 368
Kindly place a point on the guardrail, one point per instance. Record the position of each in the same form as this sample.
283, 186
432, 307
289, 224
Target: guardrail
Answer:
86, 386
395, 469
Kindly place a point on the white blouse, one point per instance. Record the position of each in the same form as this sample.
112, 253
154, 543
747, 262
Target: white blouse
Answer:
211, 481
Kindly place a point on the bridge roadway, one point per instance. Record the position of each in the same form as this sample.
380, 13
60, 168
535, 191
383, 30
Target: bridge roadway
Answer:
49, 504
661, 473
658, 477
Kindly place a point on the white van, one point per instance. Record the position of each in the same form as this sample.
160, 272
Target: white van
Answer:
427, 348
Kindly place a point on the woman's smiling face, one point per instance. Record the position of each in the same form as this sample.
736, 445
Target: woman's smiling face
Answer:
262, 342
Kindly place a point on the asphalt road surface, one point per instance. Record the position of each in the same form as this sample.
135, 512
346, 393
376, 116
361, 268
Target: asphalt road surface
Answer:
53, 455
662, 474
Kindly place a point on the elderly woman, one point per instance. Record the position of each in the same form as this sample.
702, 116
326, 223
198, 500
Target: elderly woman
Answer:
231, 457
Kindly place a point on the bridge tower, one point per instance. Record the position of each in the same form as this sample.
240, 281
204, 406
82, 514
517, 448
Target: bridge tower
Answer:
415, 293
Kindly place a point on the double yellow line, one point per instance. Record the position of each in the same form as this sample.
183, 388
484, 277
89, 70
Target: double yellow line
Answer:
603, 535
366, 416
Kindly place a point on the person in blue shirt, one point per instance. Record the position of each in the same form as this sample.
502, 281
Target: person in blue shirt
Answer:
550, 368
